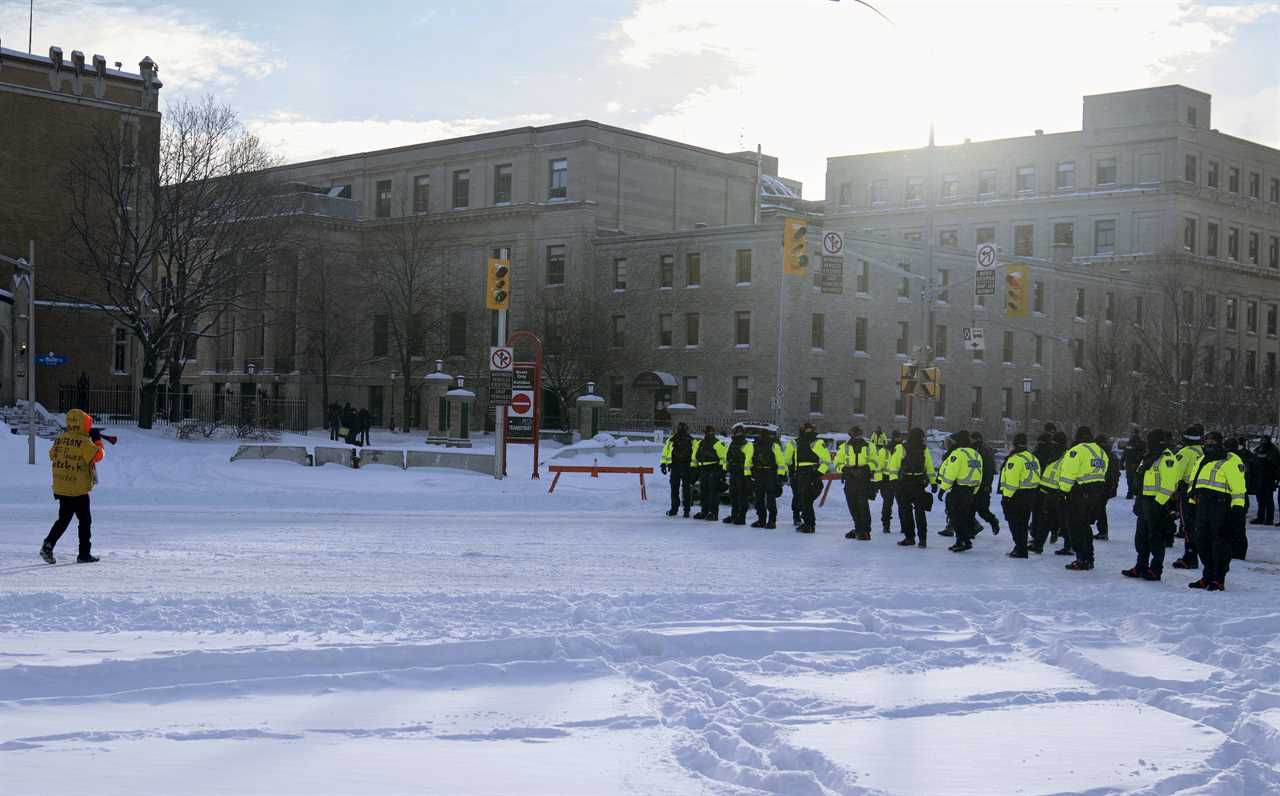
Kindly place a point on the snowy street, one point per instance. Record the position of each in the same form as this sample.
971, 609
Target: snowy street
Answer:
264, 628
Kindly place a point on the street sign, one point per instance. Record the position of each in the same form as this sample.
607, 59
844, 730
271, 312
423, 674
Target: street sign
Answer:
832, 274
51, 359
985, 282
832, 244
522, 403
974, 339
500, 359
520, 425
500, 387
986, 255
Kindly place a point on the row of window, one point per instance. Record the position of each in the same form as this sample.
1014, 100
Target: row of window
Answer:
460, 188
1213, 178
1024, 236
1214, 245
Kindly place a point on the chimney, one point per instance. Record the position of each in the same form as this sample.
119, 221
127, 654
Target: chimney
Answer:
1039, 132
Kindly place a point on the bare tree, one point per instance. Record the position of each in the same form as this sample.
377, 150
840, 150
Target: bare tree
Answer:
163, 233
326, 311
1178, 365
576, 349
1108, 386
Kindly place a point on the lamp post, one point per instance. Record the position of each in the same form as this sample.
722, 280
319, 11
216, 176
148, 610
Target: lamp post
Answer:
1026, 406
26, 272
395, 374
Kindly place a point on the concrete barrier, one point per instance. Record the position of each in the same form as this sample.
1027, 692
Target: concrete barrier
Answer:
368, 456
342, 456
288, 453
476, 462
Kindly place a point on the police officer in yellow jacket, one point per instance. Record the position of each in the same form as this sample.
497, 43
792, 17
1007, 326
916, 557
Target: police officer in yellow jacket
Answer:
73, 457
1083, 480
1217, 489
1019, 490
789, 455
1187, 456
960, 476
809, 461
677, 460
1158, 473
883, 483
738, 464
709, 463
768, 471
911, 471
857, 461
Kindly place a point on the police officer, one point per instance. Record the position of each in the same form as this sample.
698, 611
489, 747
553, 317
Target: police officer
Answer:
677, 460
911, 470
809, 461
878, 438
789, 454
1019, 490
768, 470
1082, 478
960, 477
857, 463
738, 461
709, 461
1047, 522
1187, 456
881, 481
1157, 477
1112, 488
73, 459
982, 500
1217, 490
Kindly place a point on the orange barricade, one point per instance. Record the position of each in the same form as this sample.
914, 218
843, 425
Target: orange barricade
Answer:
828, 477
595, 470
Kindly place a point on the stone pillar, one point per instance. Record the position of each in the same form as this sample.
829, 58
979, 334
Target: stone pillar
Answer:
435, 385
301, 334
682, 413
589, 406
460, 402
269, 318
206, 350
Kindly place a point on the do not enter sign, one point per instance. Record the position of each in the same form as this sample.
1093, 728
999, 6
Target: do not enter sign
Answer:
521, 403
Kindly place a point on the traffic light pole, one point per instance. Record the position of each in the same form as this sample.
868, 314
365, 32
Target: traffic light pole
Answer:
500, 414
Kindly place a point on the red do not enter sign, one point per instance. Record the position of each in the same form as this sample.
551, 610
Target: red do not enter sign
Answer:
521, 403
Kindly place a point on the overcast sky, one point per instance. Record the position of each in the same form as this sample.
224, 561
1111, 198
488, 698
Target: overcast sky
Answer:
804, 78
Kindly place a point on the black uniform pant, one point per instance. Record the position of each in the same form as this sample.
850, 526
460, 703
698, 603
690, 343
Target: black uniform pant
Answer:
709, 489
1100, 514
1155, 528
69, 507
806, 485
795, 499
333, 431
1131, 482
982, 506
857, 495
1266, 503
1081, 508
887, 491
960, 512
681, 486
1213, 533
909, 491
1189, 546
767, 497
1017, 512
740, 492
1047, 518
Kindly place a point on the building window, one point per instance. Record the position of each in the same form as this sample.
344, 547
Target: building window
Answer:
900, 405
864, 277
1271, 370
1006, 402
1255, 185
1104, 237
940, 341
1037, 297
1273, 253
913, 236
692, 329
1251, 317
1064, 234
741, 393
1251, 368
1211, 239
502, 184
422, 194
1024, 238
904, 338
915, 190
1189, 234
1211, 178
978, 355
381, 323
1006, 349
1233, 179
1233, 244
860, 335
1271, 320
691, 390
1106, 172
1229, 367
461, 189
665, 333
940, 410
559, 183
859, 397
1026, 179
1191, 116
382, 209
846, 194
1210, 311
904, 287
618, 332
119, 350
693, 270
1231, 314
457, 344
975, 410
1190, 169
1080, 303
949, 237
555, 265
1077, 353
1138, 311
743, 266
950, 186
616, 392
1065, 177
1255, 244
1039, 358
815, 396
944, 279
817, 331
666, 270
742, 328
1273, 193
987, 182
619, 273
879, 192
1109, 308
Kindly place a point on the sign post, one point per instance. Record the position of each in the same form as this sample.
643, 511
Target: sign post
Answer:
498, 298
523, 421
975, 339
984, 282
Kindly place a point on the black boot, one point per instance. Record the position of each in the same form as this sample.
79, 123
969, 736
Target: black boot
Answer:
46, 552
1017, 553
907, 542
672, 513
86, 558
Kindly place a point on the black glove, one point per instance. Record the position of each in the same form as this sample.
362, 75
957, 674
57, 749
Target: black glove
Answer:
665, 469
95, 435
933, 488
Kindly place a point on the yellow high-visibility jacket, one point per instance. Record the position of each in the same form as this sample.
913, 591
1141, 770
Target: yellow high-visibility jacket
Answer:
962, 467
721, 450
669, 448
1188, 457
779, 459
1049, 477
1084, 464
1160, 480
819, 448
1021, 471
73, 457
899, 456
748, 450
1223, 475
868, 457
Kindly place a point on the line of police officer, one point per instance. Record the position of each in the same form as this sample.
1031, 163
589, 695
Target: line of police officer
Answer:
1057, 491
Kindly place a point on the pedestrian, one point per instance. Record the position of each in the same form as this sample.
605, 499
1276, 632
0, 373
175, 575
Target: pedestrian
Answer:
768, 471
1046, 453
709, 462
1135, 451
1187, 456
738, 464
857, 463
1216, 488
982, 499
882, 483
348, 422
677, 461
911, 468
948, 445
1082, 479
82, 389
333, 420
960, 477
1267, 458
1112, 488
878, 438
810, 460
73, 459
364, 422
1019, 490
1157, 476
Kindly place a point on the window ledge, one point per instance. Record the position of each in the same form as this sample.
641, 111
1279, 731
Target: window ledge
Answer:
692, 347
619, 290
1008, 364
664, 348
692, 287
904, 300
817, 350
742, 345
861, 355
664, 287
743, 284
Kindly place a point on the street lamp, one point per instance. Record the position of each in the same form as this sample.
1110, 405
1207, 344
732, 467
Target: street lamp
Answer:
26, 272
1026, 405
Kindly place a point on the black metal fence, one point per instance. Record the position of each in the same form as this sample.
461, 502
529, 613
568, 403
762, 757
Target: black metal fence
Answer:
120, 405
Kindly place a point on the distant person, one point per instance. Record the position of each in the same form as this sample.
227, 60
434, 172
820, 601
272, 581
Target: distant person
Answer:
348, 424
82, 389
364, 422
73, 456
333, 420
677, 460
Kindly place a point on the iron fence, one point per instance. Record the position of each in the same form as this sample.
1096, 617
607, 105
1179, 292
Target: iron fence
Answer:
120, 405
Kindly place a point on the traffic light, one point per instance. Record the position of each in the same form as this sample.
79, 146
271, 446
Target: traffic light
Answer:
1015, 291
929, 380
908, 377
795, 233
498, 293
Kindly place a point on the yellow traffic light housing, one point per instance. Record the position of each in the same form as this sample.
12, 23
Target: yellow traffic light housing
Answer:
1015, 291
498, 287
795, 234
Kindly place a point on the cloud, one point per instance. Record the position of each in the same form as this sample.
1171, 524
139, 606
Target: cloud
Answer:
296, 138
194, 55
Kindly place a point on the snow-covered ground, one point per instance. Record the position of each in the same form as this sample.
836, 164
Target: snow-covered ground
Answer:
264, 628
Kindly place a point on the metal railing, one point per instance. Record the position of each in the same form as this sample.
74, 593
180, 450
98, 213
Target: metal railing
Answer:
120, 405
